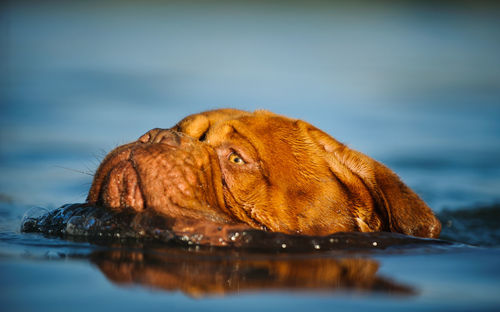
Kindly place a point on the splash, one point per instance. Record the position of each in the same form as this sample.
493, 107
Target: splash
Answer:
97, 224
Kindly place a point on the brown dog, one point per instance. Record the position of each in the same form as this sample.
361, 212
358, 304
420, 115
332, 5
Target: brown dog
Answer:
261, 169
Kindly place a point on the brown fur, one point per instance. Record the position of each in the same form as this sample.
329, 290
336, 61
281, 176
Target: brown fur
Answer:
294, 178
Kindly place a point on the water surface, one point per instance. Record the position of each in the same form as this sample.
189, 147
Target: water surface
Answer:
414, 85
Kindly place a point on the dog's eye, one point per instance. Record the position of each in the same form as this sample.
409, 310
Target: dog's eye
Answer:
236, 159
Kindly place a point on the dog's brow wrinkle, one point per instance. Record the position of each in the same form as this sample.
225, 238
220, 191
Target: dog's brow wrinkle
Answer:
203, 136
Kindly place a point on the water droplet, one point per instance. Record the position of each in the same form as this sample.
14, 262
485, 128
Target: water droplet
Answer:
235, 236
90, 222
33, 218
34, 213
196, 237
75, 226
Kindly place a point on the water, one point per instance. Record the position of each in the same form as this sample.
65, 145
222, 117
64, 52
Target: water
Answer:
414, 85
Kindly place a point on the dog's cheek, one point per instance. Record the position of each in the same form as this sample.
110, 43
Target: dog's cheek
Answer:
243, 184
234, 179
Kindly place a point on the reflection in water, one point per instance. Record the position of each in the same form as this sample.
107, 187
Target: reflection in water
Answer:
205, 275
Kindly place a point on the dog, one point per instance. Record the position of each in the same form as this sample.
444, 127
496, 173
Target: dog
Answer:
261, 170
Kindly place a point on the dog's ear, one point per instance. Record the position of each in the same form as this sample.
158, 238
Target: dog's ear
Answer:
402, 209
197, 125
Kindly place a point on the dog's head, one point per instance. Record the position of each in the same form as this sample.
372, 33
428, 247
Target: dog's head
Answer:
268, 171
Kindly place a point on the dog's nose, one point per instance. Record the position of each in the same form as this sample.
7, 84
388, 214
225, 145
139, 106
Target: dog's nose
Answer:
164, 136
150, 135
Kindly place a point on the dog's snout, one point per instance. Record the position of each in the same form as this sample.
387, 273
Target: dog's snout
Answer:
164, 136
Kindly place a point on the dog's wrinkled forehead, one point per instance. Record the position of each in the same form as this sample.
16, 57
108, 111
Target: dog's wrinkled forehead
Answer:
198, 125
258, 128
261, 135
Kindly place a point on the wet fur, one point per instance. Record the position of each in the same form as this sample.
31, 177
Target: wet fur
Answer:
295, 178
